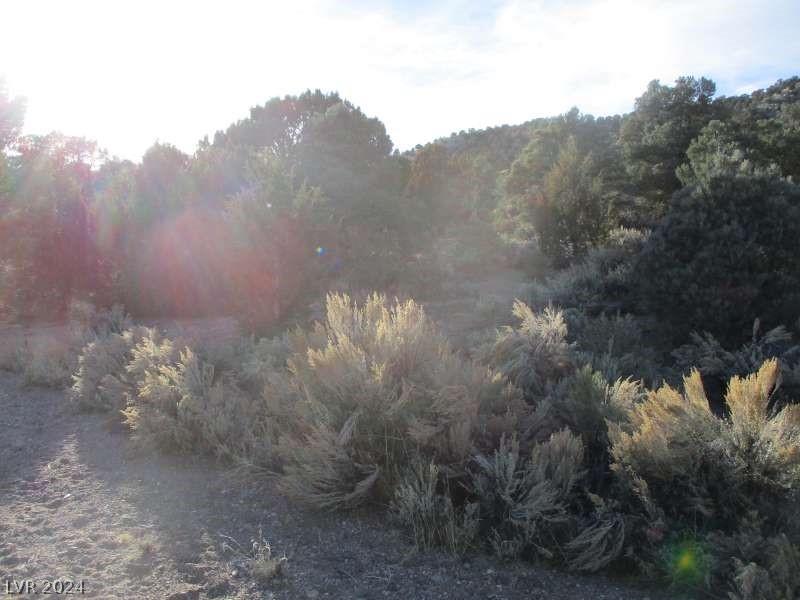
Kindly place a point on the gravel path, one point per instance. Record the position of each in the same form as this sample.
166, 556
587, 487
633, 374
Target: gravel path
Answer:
78, 502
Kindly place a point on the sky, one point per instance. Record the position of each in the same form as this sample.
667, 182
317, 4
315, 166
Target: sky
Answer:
129, 73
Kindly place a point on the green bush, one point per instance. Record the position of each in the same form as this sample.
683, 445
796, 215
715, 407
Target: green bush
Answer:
180, 401
99, 322
602, 536
181, 406
49, 356
776, 578
716, 498
176, 400
48, 362
585, 403
726, 252
614, 345
754, 564
536, 357
524, 452
600, 282
257, 361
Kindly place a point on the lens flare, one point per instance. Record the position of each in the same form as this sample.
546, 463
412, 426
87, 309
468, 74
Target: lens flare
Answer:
686, 562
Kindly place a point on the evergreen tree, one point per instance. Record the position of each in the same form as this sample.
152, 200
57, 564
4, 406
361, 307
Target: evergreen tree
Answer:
655, 136
726, 253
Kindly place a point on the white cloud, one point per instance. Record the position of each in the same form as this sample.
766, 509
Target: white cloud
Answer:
126, 73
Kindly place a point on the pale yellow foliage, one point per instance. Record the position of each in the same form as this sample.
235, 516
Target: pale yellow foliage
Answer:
693, 460
377, 385
103, 380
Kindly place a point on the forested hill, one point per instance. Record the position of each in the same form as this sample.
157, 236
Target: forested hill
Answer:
308, 192
571, 341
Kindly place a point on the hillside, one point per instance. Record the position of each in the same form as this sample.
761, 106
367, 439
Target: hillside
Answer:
513, 361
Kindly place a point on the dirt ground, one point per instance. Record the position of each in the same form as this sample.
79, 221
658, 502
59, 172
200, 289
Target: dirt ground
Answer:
79, 502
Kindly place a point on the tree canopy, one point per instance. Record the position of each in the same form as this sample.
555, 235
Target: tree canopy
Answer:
308, 190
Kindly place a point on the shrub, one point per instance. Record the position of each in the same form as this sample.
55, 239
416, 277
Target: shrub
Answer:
756, 565
101, 382
180, 400
717, 365
534, 355
578, 285
537, 358
601, 537
51, 356
179, 404
378, 386
613, 345
257, 361
725, 253
159, 412
48, 356
262, 564
737, 476
531, 455
600, 282
585, 402
523, 501
247, 360
48, 363
99, 322
710, 357
777, 579
707, 470
423, 502
258, 560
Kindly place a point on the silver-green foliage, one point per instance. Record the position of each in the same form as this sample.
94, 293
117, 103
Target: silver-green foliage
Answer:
600, 280
755, 565
423, 503
707, 354
535, 354
614, 345
524, 500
